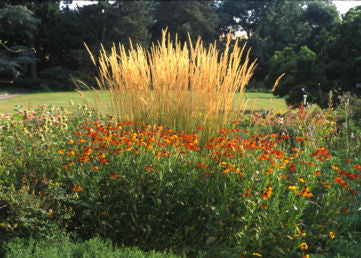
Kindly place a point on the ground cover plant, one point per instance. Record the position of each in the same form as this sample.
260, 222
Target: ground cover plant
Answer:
260, 187
65, 247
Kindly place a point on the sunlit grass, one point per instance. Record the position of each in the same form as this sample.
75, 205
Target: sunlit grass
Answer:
256, 101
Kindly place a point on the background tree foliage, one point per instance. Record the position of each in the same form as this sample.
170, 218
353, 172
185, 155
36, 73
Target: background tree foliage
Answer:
284, 36
17, 26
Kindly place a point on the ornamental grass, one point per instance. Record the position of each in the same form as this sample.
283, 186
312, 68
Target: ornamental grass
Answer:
180, 86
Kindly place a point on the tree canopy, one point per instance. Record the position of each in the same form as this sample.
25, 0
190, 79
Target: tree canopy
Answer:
308, 40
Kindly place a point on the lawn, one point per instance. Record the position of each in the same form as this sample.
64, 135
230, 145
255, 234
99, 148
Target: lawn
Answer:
255, 101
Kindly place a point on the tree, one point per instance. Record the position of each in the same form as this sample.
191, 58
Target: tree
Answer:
242, 15
273, 25
197, 18
342, 54
304, 75
318, 16
17, 26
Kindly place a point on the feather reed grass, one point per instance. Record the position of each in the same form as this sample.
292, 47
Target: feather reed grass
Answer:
179, 86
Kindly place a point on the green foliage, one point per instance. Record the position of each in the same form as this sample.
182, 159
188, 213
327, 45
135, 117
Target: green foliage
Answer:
154, 189
273, 25
182, 17
334, 67
17, 27
305, 75
342, 54
25, 214
65, 247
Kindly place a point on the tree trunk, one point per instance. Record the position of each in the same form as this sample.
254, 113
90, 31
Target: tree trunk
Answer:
33, 66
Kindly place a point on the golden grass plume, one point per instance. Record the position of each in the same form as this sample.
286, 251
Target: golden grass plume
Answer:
179, 86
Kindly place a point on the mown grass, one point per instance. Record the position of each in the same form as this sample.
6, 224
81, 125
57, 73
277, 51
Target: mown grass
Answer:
256, 101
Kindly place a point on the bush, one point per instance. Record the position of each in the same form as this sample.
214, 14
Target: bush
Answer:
65, 247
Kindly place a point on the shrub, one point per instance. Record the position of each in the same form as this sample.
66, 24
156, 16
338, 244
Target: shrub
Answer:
65, 247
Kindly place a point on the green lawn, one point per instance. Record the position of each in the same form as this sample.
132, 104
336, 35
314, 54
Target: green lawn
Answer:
255, 101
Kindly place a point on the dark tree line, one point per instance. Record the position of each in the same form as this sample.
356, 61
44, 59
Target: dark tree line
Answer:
318, 50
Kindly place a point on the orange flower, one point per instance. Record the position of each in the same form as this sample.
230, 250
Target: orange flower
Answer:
88, 151
114, 176
61, 151
321, 154
317, 173
77, 188
95, 167
201, 165
305, 192
357, 167
149, 168
325, 184
247, 193
83, 158
334, 167
71, 153
339, 180
101, 155
269, 171
70, 142
266, 194
104, 161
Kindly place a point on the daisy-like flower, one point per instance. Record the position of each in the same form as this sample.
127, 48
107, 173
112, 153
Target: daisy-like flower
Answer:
304, 246
77, 188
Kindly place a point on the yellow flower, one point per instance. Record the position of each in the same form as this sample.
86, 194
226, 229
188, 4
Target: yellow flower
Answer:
306, 256
70, 142
257, 254
332, 234
300, 232
301, 180
304, 246
292, 187
61, 151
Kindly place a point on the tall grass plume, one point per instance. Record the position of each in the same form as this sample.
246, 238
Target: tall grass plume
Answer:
181, 86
